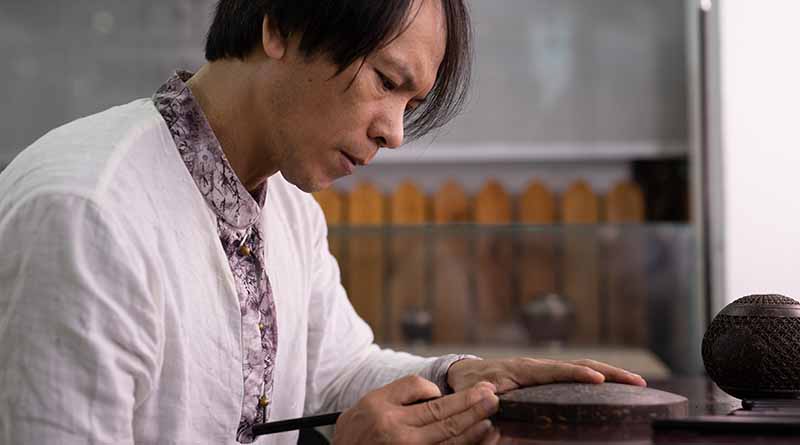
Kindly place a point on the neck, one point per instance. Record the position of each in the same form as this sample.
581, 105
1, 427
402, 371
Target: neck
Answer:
224, 92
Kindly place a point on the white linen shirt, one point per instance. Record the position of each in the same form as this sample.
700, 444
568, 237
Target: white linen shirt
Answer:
119, 320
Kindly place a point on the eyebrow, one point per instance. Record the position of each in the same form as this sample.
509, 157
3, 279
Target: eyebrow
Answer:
409, 82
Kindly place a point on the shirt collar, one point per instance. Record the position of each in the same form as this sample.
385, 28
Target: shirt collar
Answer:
203, 154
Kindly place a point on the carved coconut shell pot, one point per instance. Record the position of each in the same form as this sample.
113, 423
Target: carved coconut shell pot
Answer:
752, 348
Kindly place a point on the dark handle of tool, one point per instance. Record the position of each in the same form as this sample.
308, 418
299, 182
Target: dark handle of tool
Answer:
281, 426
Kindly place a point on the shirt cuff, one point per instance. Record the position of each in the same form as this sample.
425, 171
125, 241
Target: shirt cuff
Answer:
437, 371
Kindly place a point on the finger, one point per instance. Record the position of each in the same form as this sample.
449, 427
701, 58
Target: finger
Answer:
475, 434
505, 440
456, 425
537, 372
612, 373
410, 389
435, 410
493, 438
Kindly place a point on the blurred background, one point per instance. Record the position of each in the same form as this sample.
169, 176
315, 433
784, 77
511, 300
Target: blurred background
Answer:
623, 168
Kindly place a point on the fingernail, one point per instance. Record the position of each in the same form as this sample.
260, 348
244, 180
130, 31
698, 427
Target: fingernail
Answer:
638, 376
489, 402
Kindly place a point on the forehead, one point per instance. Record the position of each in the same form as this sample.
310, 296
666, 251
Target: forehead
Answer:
421, 45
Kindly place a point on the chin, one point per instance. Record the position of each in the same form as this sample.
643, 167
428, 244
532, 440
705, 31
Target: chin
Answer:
308, 184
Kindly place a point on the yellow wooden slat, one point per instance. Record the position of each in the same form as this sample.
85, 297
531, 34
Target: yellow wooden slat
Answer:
407, 283
365, 259
580, 205
625, 269
537, 205
495, 264
625, 203
492, 204
409, 205
452, 266
580, 262
451, 204
333, 206
537, 262
366, 205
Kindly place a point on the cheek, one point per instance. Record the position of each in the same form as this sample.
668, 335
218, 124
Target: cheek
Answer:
328, 114
339, 123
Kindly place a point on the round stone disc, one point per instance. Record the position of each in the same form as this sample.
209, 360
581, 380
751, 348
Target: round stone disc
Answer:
580, 403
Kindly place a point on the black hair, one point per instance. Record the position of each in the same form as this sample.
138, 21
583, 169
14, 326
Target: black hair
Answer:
348, 31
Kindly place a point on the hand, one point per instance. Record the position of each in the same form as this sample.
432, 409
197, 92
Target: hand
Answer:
508, 374
386, 416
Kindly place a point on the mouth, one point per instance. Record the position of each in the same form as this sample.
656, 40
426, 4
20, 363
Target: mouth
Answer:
348, 163
354, 160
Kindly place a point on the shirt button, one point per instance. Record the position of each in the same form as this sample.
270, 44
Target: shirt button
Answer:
261, 326
244, 250
263, 401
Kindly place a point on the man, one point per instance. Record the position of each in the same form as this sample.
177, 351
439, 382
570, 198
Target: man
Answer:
166, 279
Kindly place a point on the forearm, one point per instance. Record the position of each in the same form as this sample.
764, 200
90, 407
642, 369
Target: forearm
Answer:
380, 367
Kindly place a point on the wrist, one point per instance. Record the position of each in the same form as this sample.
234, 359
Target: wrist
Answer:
453, 372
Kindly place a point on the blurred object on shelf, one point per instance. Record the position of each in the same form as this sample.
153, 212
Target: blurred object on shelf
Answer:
549, 318
665, 185
416, 325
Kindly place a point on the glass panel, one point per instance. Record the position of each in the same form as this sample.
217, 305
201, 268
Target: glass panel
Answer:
559, 286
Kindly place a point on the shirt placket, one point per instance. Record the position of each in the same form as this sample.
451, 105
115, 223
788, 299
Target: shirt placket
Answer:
255, 302
238, 229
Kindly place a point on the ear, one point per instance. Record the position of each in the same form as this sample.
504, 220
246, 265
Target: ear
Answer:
273, 44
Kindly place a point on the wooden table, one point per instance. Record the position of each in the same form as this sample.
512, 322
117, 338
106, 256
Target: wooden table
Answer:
705, 398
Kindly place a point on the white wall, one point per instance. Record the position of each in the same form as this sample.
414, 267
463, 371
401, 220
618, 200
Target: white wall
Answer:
760, 129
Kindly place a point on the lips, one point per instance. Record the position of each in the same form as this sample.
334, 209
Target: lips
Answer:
353, 160
348, 163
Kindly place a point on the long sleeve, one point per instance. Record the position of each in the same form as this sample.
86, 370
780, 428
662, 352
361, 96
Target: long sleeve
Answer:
343, 362
78, 335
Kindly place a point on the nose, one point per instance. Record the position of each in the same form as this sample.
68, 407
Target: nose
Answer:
387, 128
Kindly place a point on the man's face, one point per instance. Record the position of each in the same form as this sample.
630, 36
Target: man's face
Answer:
322, 129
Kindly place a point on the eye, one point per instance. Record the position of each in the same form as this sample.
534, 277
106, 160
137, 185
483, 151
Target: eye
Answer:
386, 83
